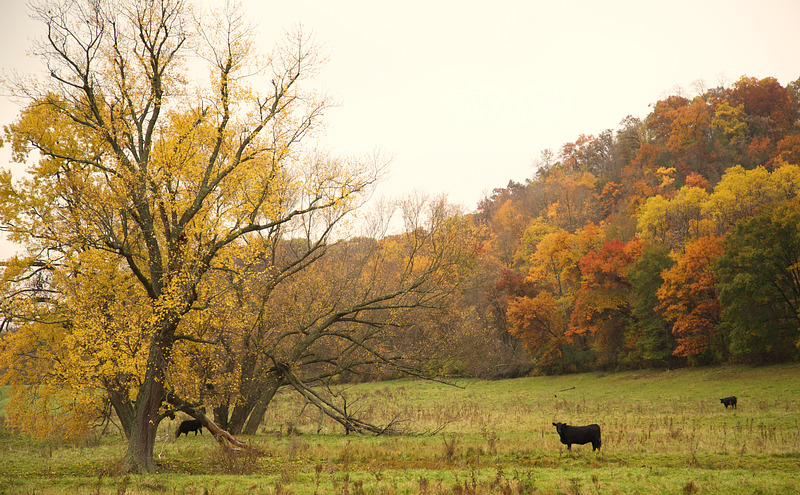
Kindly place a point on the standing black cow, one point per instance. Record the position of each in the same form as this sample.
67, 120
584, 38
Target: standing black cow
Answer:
190, 425
729, 401
579, 435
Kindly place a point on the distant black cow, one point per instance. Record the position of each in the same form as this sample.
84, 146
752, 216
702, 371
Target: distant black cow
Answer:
579, 435
729, 401
190, 425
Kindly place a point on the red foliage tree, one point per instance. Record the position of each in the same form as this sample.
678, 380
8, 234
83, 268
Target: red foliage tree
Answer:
602, 305
788, 151
689, 298
537, 321
697, 180
759, 151
769, 105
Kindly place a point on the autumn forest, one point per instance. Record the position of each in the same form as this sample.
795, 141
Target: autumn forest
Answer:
670, 242
184, 251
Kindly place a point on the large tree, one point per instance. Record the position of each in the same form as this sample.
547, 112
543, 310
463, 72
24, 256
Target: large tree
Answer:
602, 307
688, 297
171, 176
759, 286
302, 314
650, 333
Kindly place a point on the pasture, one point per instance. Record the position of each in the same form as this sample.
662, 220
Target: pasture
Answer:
662, 432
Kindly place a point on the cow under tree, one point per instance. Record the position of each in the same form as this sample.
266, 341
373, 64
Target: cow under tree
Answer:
194, 425
579, 434
729, 401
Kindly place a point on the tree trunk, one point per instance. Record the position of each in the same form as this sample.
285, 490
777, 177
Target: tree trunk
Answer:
139, 457
221, 416
124, 410
260, 407
249, 390
239, 416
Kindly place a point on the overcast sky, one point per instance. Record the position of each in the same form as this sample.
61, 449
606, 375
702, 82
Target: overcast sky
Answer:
467, 94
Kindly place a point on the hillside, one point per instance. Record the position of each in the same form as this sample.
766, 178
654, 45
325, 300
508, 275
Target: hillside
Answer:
671, 241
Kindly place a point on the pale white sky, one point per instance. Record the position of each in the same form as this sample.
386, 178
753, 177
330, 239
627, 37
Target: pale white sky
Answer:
466, 94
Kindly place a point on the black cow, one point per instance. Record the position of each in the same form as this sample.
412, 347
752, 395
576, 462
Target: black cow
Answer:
190, 425
579, 435
729, 401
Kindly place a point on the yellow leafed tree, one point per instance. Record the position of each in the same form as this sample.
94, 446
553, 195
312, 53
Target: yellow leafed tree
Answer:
79, 350
134, 161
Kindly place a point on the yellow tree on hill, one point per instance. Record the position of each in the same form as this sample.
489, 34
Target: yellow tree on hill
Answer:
131, 158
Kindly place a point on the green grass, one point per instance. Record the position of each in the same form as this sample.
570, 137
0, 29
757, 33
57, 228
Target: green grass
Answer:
663, 432
3, 399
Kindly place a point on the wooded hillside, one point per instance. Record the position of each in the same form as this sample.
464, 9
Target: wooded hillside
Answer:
670, 241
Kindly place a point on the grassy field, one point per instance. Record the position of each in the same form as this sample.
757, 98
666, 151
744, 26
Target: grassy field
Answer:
663, 432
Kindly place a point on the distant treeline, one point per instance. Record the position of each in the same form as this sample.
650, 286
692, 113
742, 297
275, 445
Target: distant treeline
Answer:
672, 241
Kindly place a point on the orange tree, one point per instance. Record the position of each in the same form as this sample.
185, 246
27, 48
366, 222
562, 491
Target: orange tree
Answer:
689, 299
539, 312
602, 308
131, 156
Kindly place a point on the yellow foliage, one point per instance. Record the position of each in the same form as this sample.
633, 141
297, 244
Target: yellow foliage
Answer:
54, 412
693, 212
652, 223
740, 193
667, 177
786, 180
730, 120
59, 364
